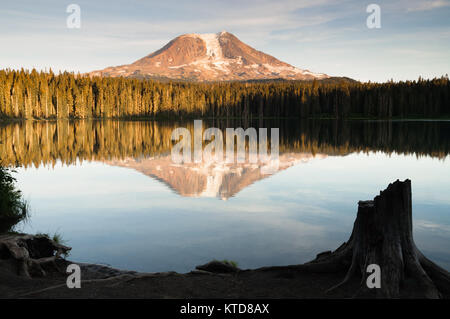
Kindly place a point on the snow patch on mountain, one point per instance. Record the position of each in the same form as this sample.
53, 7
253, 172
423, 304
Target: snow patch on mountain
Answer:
213, 49
317, 75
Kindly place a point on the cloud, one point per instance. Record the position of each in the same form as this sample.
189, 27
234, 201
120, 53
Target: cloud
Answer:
427, 5
432, 227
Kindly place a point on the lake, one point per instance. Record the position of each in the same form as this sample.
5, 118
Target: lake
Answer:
112, 191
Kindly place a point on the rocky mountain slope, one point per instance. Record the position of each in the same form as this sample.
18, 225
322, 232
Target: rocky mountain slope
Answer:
209, 57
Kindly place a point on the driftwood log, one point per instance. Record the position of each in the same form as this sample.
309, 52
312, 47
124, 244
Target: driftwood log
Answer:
30, 255
382, 235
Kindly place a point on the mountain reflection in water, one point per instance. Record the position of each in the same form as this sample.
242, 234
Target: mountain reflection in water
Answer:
208, 179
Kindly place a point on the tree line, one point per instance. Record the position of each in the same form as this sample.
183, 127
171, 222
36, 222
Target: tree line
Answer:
46, 95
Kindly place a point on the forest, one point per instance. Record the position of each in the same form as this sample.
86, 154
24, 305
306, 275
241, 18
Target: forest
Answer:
45, 95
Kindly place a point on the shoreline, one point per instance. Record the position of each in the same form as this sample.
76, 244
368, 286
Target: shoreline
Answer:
214, 280
12, 120
98, 281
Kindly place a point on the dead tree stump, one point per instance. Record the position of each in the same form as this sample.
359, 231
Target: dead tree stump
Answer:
30, 255
382, 235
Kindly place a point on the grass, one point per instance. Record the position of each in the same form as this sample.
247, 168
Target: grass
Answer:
57, 237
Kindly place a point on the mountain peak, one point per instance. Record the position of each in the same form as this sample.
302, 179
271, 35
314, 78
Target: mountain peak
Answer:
209, 57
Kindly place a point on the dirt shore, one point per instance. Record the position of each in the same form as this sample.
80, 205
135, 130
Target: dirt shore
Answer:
104, 282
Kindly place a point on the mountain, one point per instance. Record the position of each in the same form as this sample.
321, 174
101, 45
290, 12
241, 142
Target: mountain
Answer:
209, 57
217, 180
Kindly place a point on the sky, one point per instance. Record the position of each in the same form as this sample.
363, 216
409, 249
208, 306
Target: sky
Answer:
326, 36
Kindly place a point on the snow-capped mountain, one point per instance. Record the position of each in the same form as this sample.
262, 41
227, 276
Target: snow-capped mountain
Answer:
209, 57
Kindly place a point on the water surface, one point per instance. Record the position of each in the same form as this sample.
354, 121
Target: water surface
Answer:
112, 191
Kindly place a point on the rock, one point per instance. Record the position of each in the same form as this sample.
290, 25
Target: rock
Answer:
219, 267
30, 255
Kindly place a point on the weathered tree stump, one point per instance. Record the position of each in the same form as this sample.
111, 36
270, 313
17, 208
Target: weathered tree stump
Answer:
382, 234
30, 255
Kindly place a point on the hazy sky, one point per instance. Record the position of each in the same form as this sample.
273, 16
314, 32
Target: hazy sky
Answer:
320, 35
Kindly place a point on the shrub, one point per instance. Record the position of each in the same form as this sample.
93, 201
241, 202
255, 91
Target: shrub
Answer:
13, 208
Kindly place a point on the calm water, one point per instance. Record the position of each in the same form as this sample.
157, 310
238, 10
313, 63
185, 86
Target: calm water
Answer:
113, 193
